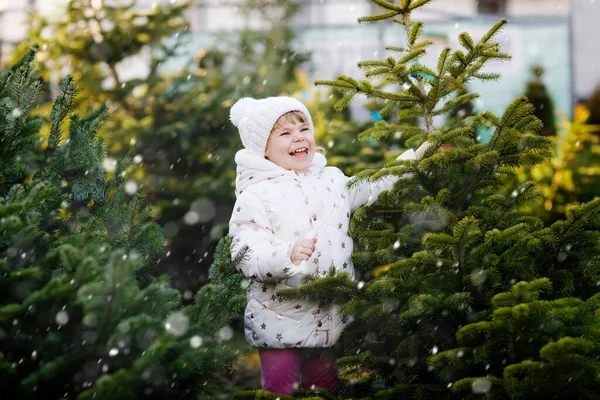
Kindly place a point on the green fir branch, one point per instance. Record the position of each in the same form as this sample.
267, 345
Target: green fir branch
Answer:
377, 18
387, 5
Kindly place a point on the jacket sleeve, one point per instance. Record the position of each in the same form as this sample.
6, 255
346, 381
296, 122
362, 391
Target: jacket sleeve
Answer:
365, 193
267, 258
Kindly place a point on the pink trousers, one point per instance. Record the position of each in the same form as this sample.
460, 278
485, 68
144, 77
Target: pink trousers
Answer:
284, 370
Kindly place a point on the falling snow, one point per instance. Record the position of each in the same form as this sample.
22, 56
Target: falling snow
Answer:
176, 323
62, 318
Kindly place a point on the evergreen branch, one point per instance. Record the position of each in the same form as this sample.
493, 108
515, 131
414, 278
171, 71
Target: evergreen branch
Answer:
519, 108
486, 76
387, 109
374, 63
414, 55
554, 351
398, 49
495, 55
465, 231
336, 289
422, 44
522, 292
473, 184
416, 31
61, 107
114, 283
459, 56
27, 59
466, 41
22, 75
414, 34
417, 4
482, 49
443, 62
494, 30
409, 113
343, 102
337, 84
387, 5
490, 118
382, 129
62, 362
439, 240
379, 17
494, 236
575, 215
448, 137
434, 94
379, 72
399, 171
7, 76
83, 189
529, 123
467, 384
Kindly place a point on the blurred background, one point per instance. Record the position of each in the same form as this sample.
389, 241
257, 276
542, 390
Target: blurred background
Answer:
554, 34
171, 69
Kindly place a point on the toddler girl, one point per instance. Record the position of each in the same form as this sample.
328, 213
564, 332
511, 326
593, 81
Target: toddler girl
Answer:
292, 212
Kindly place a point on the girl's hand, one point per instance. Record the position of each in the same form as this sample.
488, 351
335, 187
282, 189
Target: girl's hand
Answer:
303, 249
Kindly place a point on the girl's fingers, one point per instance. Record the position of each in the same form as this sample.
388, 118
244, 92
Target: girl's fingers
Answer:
306, 251
300, 257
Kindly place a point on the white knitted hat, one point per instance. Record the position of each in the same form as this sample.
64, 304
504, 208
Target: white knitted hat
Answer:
256, 118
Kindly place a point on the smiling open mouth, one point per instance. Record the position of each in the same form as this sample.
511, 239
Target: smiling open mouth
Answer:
300, 152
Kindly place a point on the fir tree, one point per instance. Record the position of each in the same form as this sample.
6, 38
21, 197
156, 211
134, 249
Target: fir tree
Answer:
542, 102
464, 293
82, 313
593, 104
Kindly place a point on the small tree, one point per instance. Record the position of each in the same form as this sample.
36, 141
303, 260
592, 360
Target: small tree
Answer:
542, 102
82, 314
593, 104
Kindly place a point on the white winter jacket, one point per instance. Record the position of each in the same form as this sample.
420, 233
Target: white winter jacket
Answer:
276, 207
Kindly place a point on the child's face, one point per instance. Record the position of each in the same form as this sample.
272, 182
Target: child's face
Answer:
292, 146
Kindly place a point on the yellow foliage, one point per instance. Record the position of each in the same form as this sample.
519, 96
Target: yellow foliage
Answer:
63, 214
382, 269
116, 147
248, 362
143, 37
138, 174
350, 374
569, 142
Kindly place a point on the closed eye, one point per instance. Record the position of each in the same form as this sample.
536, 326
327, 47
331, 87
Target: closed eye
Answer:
284, 133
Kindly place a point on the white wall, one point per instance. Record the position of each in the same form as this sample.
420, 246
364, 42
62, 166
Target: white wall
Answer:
538, 8
586, 31
13, 24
